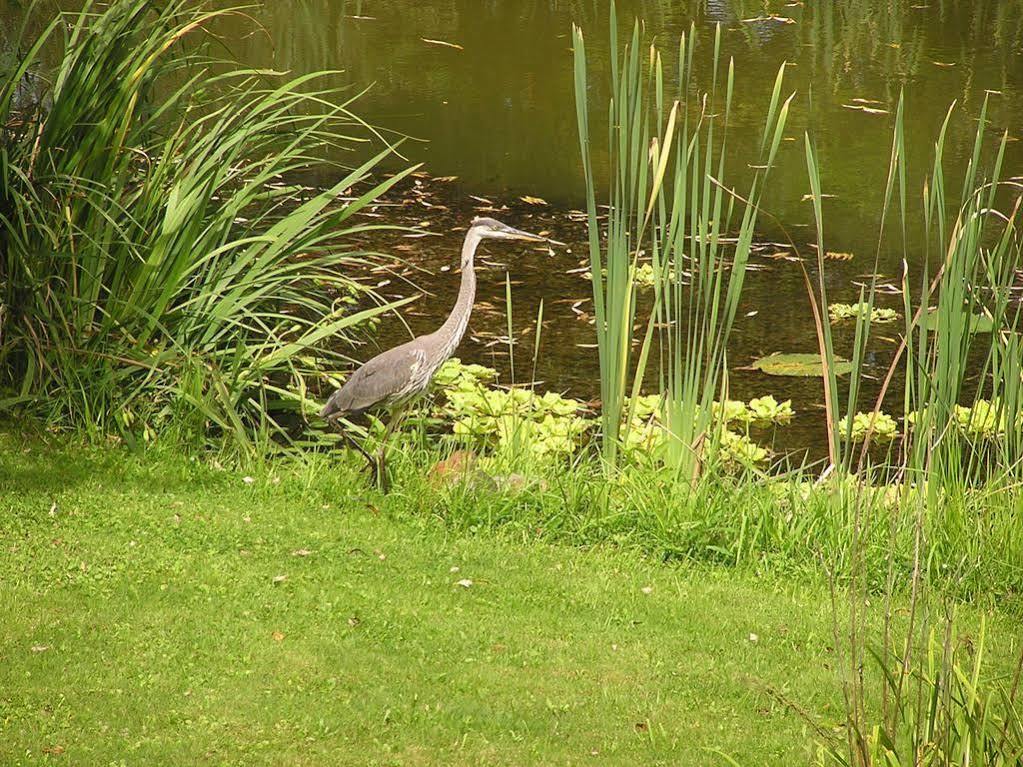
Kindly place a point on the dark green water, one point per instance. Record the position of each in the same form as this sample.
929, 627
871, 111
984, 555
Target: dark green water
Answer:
498, 112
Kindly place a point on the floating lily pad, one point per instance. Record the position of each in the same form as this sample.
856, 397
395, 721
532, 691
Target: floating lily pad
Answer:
979, 323
799, 365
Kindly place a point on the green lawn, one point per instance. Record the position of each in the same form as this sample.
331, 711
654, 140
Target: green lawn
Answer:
155, 612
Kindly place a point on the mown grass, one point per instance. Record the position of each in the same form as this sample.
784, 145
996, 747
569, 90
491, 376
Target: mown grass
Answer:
143, 624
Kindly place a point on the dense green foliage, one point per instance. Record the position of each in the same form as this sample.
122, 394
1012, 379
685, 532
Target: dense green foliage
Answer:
162, 269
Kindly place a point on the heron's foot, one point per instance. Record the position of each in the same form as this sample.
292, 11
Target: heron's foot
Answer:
374, 472
382, 478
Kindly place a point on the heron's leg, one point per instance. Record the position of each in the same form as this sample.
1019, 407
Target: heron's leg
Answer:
396, 418
370, 460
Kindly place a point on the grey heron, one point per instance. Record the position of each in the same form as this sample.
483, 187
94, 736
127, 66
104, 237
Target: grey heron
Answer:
392, 380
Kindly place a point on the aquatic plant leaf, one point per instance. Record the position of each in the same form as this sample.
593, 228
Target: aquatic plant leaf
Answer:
798, 365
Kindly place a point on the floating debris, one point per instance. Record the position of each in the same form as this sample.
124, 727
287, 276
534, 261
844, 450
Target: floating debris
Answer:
444, 43
865, 109
770, 17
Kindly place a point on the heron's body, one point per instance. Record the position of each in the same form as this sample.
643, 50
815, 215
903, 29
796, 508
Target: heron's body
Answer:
392, 379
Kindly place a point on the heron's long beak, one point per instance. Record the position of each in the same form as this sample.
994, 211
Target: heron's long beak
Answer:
518, 234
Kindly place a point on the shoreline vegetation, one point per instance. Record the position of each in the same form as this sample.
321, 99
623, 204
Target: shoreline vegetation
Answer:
167, 280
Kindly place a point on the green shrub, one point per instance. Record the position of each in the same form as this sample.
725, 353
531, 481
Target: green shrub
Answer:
161, 269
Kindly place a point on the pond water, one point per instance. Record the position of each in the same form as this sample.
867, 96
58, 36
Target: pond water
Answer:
484, 90
497, 112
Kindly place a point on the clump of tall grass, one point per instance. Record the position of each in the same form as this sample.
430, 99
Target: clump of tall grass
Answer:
952, 477
161, 265
667, 198
942, 710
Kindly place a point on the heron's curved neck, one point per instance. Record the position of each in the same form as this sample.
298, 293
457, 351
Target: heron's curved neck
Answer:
453, 329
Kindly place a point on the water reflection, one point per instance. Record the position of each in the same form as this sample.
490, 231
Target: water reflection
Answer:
499, 111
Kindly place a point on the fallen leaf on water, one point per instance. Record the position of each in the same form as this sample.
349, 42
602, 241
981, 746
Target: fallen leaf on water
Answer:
837, 256
277, 636
944, 63
782, 255
445, 43
865, 109
772, 17
529, 199
808, 197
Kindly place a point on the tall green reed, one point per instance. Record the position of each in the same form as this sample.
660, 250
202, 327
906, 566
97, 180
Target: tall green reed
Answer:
163, 266
957, 461
668, 201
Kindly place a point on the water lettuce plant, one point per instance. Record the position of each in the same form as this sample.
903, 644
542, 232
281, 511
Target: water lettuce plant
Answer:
549, 425
513, 419
881, 425
839, 312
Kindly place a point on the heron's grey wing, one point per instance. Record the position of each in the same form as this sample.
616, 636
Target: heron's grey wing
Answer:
381, 378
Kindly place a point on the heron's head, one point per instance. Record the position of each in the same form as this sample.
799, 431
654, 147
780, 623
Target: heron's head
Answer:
489, 228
